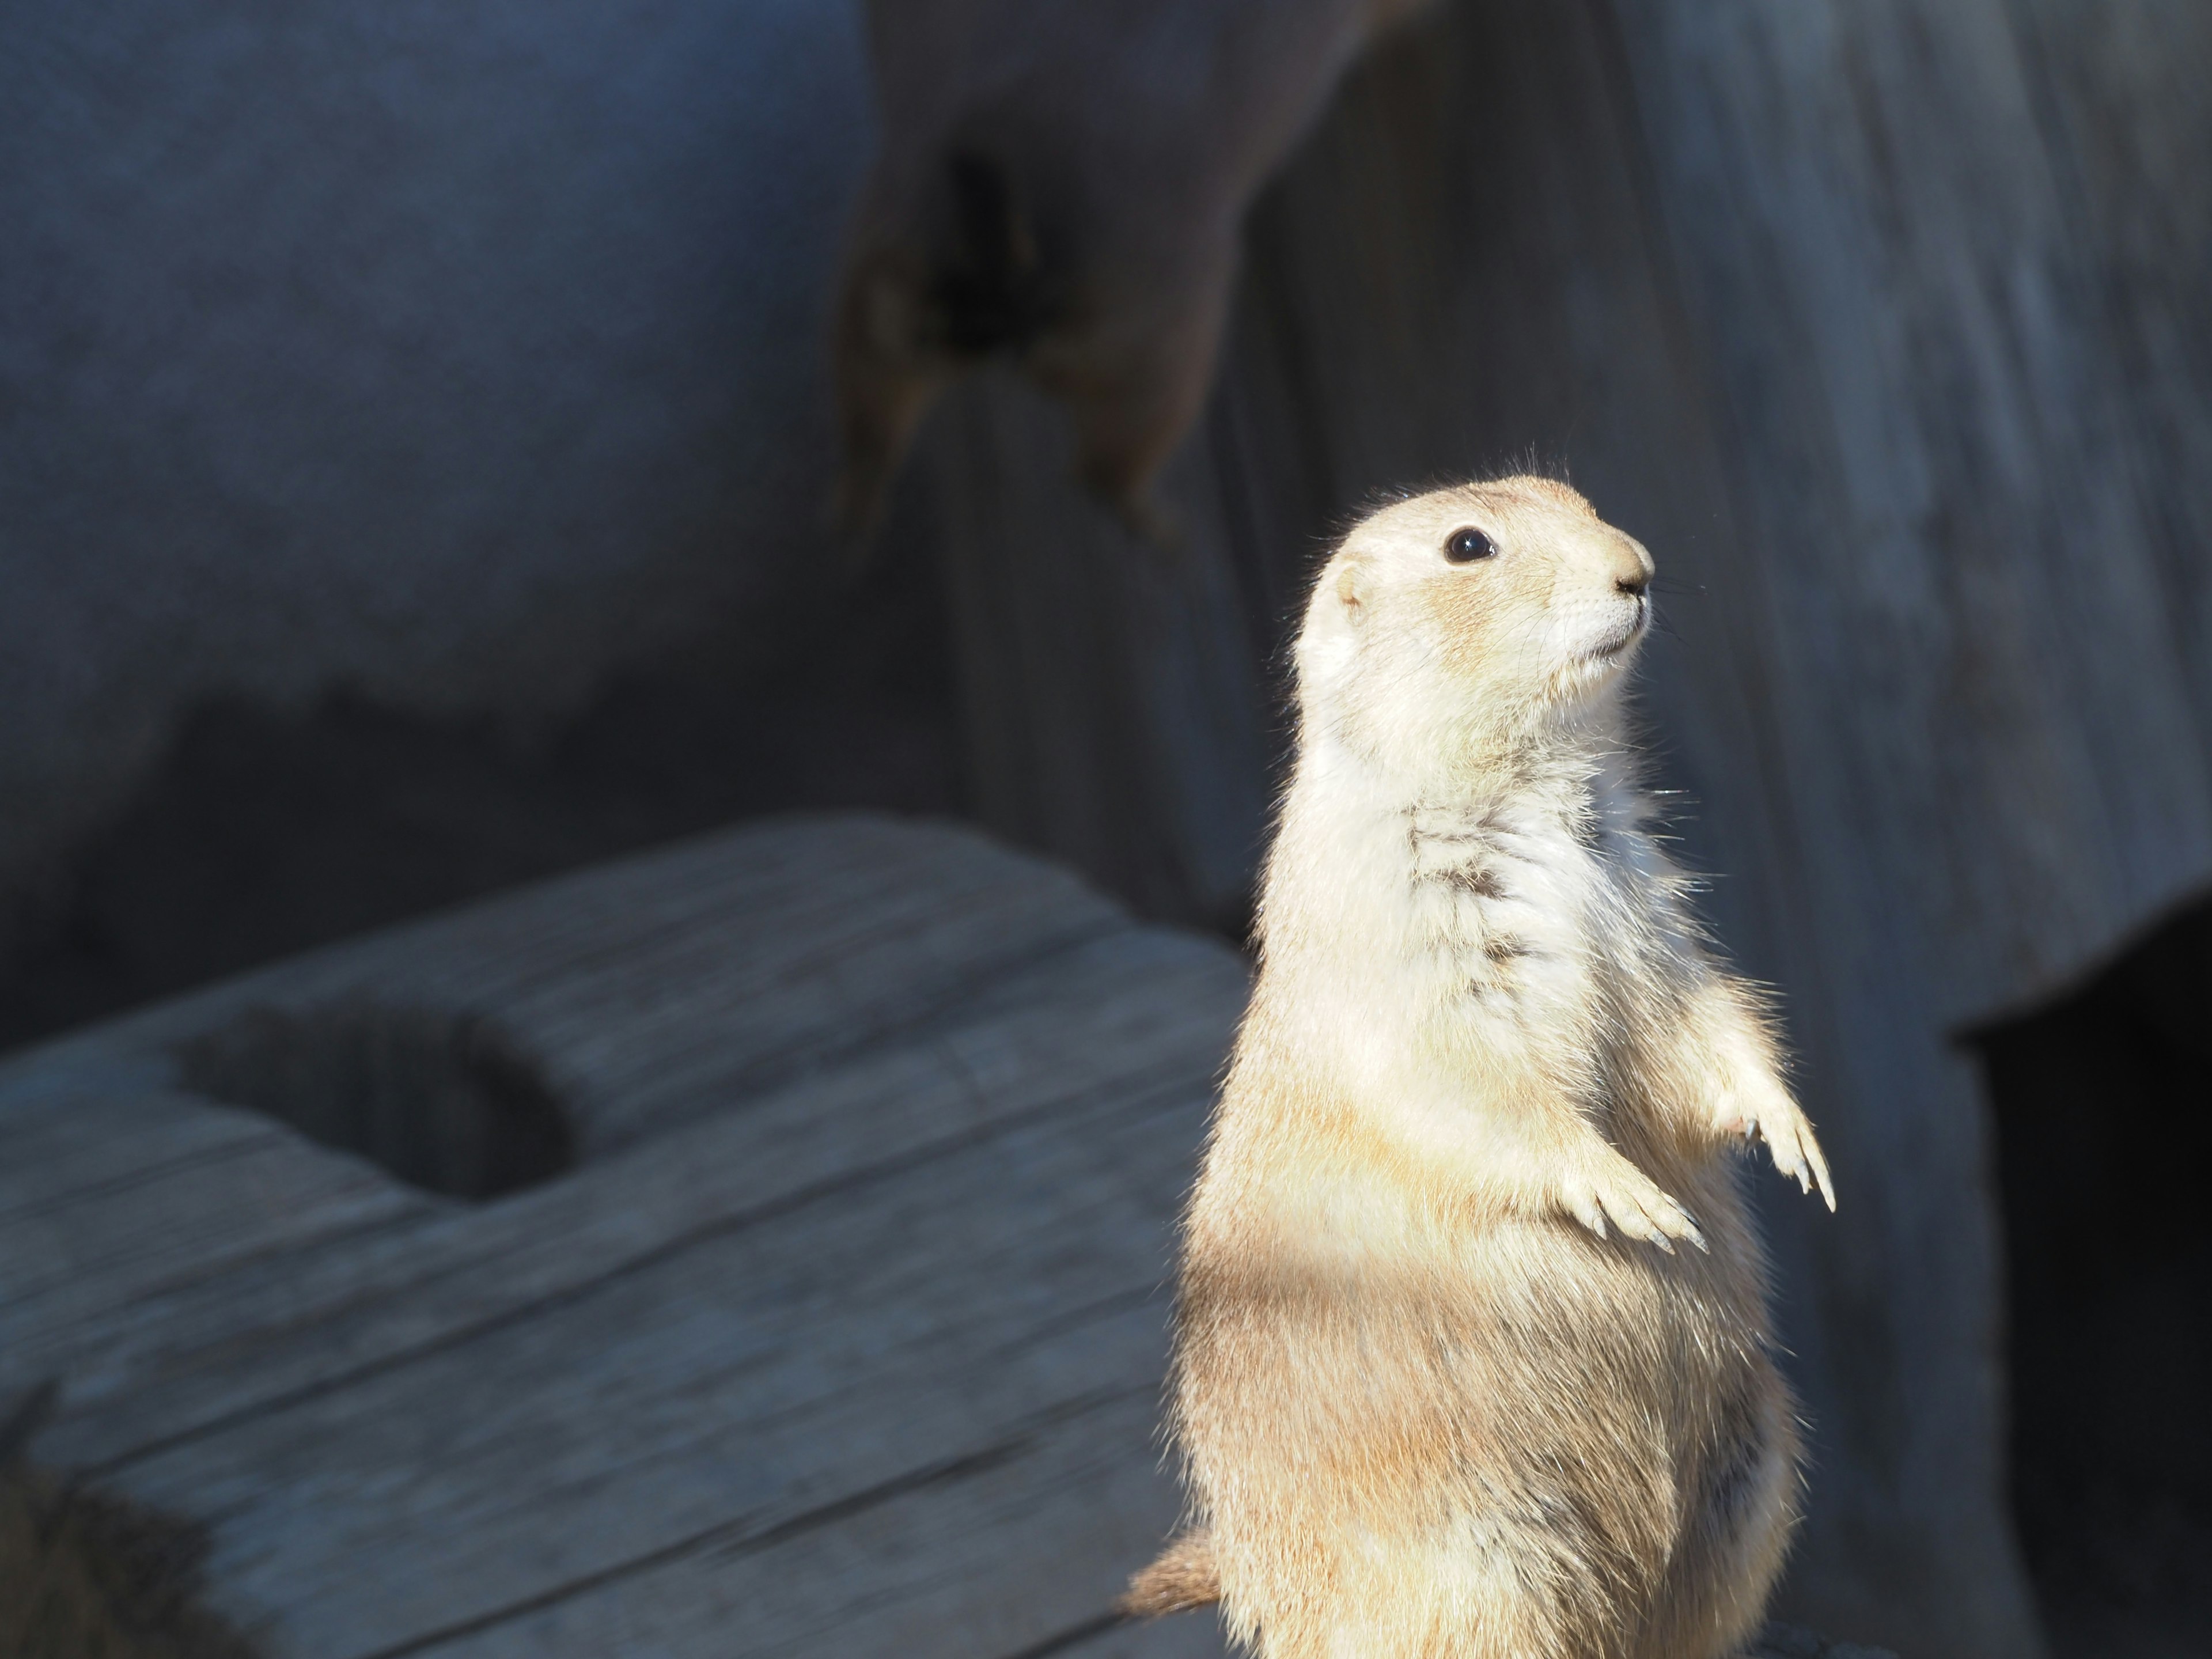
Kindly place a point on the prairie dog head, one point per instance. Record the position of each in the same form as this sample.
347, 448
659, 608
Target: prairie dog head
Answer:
1468, 622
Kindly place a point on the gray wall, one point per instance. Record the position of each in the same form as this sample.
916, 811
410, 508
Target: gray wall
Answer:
455, 351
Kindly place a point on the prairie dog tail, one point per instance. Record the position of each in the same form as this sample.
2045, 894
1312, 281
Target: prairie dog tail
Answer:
1183, 1577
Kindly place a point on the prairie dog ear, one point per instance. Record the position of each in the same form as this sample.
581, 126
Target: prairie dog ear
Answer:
1349, 592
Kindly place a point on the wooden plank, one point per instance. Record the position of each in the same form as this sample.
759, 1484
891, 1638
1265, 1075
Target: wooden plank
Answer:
663, 985
728, 1390
1119, 1013
60, 1153
1187, 1636
868, 1344
243, 1192
1067, 1512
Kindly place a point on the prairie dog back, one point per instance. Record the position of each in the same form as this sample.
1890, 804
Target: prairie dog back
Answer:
1472, 1346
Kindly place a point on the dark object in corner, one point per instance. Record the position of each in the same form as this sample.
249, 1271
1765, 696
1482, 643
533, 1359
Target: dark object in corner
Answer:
2103, 1103
87, 1575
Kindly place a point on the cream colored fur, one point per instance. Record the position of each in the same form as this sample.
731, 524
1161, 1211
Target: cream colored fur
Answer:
1473, 1354
1065, 184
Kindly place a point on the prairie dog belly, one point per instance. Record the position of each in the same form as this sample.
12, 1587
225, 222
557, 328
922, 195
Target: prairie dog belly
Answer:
1416, 1436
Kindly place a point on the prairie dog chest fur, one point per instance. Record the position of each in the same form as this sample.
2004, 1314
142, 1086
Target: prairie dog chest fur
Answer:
1495, 927
1472, 1347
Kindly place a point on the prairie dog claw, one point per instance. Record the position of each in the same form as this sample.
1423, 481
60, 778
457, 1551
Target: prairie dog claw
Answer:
1618, 1190
1789, 1140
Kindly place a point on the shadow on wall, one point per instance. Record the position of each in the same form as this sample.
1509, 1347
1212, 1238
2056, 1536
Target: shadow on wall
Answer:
261, 834
2103, 1103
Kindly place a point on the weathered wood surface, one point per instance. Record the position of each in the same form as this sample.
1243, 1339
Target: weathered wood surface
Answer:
844, 1338
1883, 325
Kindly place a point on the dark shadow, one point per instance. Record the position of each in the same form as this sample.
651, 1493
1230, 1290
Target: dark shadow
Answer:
261, 834
441, 1101
2104, 1115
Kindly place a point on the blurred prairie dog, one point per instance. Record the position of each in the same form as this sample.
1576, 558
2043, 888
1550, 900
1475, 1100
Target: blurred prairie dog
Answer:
1472, 1356
1065, 185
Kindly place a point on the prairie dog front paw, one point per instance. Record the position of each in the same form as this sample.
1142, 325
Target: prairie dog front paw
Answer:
1607, 1185
1778, 1120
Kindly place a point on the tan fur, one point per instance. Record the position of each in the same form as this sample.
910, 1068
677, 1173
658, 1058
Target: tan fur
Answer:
1183, 1576
1064, 185
1473, 1355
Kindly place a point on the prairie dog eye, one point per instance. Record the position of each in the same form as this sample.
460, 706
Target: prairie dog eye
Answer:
1466, 546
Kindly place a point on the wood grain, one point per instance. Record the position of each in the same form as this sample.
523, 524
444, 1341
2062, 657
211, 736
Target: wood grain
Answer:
856, 1352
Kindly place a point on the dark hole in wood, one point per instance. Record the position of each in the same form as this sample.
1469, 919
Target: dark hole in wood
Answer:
2104, 1112
443, 1101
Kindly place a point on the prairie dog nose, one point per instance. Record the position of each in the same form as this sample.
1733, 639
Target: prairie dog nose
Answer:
1631, 569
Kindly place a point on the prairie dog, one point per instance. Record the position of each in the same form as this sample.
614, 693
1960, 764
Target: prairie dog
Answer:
1472, 1350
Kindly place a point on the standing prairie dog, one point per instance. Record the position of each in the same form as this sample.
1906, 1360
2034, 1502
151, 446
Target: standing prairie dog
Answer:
1472, 1355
